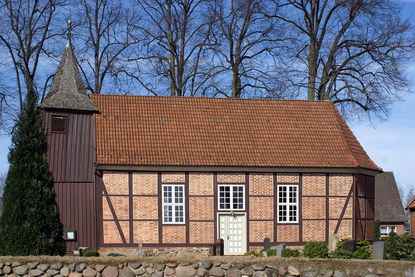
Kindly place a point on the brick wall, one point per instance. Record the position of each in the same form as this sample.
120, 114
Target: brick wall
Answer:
314, 184
287, 233
259, 230
174, 234
116, 183
345, 229
201, 184
231, 178
201, 232
145, 183
111, 233
261, 184
172, 177
146, 232
288, 178
145, 207
340, 184
314, 207
261, 208
336, 206
201, 208
116, 186
314, 230
200, 202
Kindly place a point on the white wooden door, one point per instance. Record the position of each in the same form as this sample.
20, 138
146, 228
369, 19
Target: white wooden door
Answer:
232, 229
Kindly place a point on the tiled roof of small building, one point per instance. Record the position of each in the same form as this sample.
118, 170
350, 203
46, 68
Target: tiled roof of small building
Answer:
411, 205
67, 90
184, 131
388, 205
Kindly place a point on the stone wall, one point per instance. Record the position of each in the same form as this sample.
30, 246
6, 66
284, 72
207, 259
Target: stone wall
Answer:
234, 266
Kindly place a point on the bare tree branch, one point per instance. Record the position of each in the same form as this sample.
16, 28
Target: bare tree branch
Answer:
351, 52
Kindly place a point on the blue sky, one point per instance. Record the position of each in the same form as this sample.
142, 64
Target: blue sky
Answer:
390, 144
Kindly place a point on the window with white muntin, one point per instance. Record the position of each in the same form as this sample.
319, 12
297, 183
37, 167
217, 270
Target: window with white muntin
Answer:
287, 203
173, 204
231, 197
386, 230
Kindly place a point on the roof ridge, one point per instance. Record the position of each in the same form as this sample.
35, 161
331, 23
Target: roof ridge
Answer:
212, 98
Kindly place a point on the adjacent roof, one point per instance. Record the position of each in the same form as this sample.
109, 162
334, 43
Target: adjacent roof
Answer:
411, 205
191, 131
388, 204
67, 90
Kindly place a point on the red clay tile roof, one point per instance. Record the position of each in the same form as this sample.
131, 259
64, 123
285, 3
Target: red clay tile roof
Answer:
182, 131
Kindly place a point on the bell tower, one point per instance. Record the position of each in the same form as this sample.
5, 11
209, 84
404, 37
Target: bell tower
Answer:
69, 116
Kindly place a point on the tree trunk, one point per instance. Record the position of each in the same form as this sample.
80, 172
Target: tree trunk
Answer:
312, 72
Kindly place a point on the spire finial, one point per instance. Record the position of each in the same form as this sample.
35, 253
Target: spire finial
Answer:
69, 32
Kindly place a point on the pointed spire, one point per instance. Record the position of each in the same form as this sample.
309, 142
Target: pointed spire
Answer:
67, 90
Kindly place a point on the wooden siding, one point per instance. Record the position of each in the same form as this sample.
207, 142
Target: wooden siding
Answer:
71, 157
76, 203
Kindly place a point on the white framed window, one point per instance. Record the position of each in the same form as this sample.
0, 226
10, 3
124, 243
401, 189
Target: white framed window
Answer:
287, 203
173, 204
386, 230
231, 197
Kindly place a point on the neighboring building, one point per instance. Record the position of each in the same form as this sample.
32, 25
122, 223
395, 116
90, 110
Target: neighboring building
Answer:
179, 172
411, 208
388, 205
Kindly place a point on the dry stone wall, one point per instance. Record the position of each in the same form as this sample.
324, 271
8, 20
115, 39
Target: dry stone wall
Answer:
280, 267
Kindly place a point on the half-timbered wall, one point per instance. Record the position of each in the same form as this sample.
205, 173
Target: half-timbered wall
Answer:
365, 203
132, 208
71, 159
201, 208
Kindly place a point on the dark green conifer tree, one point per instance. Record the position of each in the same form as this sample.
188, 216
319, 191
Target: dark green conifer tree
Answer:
29, 224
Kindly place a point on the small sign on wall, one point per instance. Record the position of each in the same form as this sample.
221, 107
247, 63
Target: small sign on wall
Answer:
69, 235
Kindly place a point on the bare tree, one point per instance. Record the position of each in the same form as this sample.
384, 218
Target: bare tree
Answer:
246, 42
407, 194
27, 28
172, 59
350, 52
104, 39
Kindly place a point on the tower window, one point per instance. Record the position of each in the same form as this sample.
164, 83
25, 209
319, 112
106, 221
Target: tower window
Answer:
58, 124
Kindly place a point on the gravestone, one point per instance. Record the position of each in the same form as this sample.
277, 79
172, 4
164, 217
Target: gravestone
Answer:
267, 244
351, 245
379, 252
333, 240
140, 249
219, 248
280, 247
